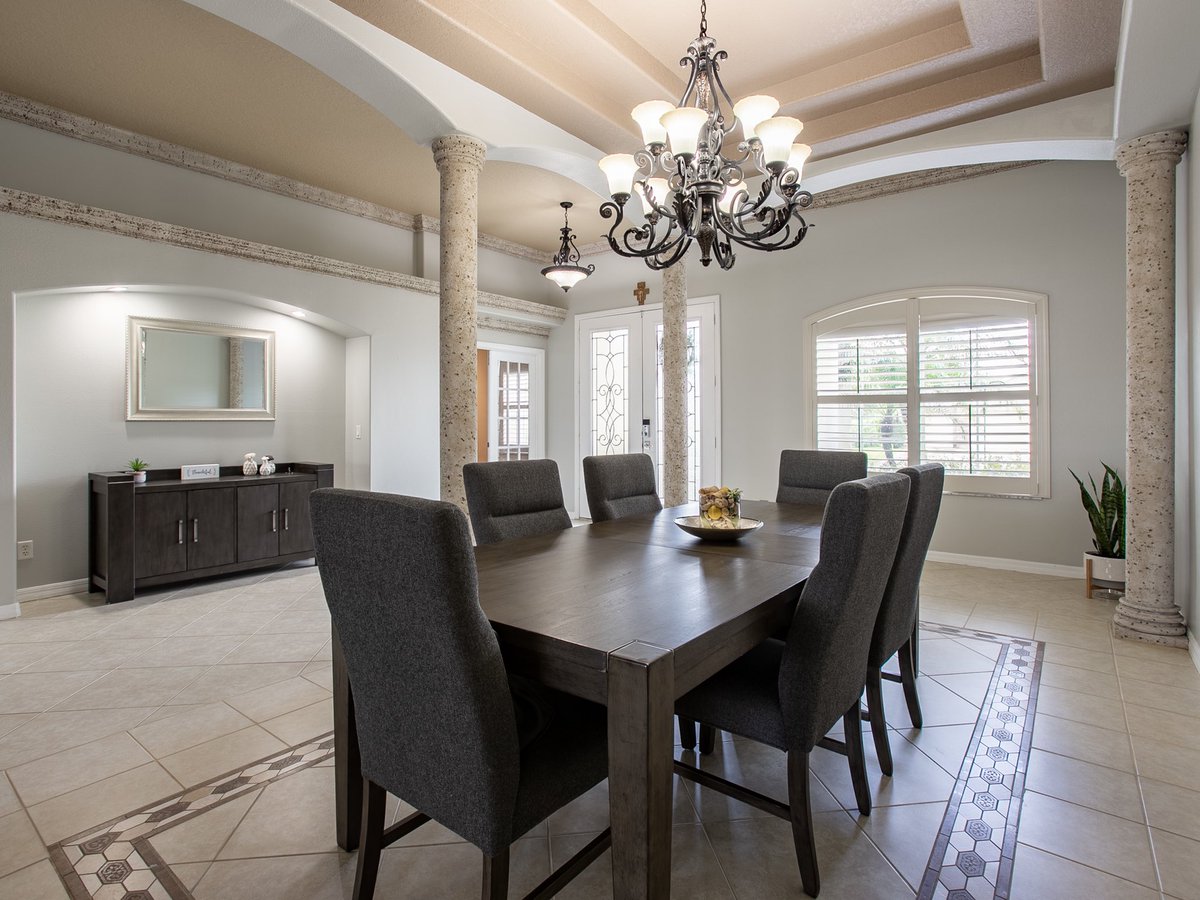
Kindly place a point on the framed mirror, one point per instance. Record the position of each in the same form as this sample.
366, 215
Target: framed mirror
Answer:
189, 371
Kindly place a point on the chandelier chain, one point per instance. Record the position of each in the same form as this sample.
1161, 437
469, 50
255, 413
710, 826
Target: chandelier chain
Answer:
703, 18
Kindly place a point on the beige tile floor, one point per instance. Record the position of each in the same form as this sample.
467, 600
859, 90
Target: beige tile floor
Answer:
105, 709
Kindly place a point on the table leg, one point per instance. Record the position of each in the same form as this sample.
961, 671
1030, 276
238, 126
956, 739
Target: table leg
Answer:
347, 764
641, 705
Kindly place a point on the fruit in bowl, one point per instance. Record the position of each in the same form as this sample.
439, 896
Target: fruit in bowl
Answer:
720, 507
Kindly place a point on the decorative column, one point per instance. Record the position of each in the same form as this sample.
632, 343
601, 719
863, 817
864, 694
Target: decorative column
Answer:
675, 438
459, 159
1148, 611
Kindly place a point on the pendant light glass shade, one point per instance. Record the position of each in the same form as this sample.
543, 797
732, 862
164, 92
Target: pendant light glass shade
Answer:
649, 115
777, 135
620, 169
752, 110
683, 126
798, 157
660, 189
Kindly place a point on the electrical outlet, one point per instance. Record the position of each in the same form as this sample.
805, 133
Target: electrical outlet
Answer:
24, 549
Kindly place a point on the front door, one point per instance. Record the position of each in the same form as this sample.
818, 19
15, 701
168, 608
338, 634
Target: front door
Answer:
619, 373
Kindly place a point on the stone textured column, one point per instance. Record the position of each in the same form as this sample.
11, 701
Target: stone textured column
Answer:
1148, 611
459, 160
237, 372
675, 437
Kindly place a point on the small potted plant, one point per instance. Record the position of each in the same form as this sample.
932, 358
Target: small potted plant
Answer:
138, 467
1105, 507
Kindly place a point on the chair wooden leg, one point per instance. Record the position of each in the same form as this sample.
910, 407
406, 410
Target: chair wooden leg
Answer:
708, 738
370, 840
687, 733
908, 678
802, 828
879, 729
852, 721
495, 876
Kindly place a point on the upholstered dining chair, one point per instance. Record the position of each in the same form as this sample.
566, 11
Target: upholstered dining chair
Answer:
440, 723
788, 694
619, 486
807, 476
514, 498
896, 626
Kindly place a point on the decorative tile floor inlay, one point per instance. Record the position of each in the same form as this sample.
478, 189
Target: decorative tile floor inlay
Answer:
972, 858
115, 861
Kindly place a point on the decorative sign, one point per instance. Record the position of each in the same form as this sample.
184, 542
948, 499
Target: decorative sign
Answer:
196, 473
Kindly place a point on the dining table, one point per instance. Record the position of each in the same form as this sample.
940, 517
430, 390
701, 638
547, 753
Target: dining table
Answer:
630, 613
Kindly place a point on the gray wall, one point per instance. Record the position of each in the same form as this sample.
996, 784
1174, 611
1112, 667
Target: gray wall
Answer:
1056, 228
1189, 378
70, 363
402, 426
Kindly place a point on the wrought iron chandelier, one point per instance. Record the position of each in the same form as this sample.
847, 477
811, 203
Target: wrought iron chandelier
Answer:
565, 271
689, 190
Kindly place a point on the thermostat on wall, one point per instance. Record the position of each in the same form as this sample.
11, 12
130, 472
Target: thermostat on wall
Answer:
195, 473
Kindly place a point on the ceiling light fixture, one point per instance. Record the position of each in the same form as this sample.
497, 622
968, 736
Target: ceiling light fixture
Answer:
565, 271
699, 194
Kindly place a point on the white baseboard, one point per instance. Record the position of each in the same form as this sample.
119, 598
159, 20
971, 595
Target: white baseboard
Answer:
42, 591
1011, 565
1194, 649
10, 611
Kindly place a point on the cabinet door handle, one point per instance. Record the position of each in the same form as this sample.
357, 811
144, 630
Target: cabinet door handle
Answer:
196, 530
180, 531
274, 521
285, 518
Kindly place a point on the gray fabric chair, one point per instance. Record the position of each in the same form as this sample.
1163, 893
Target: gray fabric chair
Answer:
789, 694
807, 476
440, 724
514, 499
896, 627
620, 486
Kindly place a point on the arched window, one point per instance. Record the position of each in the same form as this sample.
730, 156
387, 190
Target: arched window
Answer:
950, 375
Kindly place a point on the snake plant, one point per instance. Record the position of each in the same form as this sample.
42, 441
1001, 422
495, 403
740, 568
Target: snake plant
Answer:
1105, 507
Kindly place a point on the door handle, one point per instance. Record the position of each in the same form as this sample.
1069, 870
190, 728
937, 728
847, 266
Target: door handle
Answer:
180, 539
646, 444
274, 521
285, 518
196, 530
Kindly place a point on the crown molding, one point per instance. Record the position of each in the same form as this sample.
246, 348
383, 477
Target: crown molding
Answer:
880, 187
433, 225
59, 121
500, 312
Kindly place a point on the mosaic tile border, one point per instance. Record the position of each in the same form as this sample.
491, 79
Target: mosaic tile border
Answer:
115, 861
972, 857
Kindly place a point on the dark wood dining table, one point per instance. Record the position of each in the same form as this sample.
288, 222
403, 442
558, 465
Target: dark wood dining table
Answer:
632, 614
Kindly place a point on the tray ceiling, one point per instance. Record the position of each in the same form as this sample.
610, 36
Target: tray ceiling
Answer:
858, 72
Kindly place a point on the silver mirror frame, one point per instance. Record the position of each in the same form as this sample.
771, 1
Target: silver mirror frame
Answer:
135, 412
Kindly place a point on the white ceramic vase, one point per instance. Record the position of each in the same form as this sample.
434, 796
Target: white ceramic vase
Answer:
249, 467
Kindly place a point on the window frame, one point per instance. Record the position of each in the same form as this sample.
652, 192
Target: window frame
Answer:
1037, 485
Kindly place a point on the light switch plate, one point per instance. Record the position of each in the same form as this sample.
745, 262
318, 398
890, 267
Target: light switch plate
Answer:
196, 473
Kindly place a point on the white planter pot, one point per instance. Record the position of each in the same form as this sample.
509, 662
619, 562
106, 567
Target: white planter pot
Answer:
1105, 568
139, 477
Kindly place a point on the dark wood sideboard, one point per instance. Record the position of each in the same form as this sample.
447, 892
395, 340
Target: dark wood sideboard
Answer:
168, 530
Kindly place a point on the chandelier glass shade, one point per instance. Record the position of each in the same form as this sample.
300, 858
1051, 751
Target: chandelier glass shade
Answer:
690, 189
565, 271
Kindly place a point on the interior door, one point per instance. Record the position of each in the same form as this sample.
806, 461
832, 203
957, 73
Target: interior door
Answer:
619, 375
516, 421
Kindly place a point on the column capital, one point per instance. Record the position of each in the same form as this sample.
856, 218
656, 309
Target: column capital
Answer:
1165, 146
461, 149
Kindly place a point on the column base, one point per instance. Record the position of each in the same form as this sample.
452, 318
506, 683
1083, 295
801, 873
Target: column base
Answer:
1150, 623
